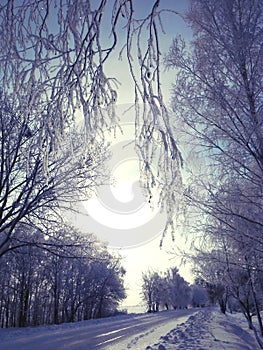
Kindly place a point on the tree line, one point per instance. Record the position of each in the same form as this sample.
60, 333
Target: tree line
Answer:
42, 286
169, 290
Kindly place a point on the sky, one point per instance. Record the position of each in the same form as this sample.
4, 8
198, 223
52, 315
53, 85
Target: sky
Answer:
173, 25
120, 214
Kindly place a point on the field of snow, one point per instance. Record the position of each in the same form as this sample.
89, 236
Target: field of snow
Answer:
196, 329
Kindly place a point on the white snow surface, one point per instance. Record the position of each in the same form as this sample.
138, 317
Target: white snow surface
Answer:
209, 329
204, 329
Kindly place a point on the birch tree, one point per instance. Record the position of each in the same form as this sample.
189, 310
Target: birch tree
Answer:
52, 63
217, 96
168, 289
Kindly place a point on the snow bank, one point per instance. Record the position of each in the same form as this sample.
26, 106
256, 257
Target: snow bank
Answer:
209, 329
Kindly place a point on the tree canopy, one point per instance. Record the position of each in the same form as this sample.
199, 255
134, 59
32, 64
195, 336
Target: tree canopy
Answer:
52, 64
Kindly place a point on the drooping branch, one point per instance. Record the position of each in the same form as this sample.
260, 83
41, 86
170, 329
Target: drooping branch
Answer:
52, 63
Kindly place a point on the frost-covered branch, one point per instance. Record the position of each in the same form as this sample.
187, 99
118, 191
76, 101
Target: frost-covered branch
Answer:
52, 62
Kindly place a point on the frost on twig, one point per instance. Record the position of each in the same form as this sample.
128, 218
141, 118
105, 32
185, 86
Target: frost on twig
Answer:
52, 61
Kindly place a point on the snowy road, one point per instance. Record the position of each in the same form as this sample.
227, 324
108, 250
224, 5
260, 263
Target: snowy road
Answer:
131, 332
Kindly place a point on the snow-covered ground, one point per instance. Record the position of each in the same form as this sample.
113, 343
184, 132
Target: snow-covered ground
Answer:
133, 331
209, 329
183, 329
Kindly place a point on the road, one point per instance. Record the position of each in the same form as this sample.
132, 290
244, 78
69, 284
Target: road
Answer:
120, 333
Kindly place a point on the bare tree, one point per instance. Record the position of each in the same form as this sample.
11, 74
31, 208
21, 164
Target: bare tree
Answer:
34, 191
148, 289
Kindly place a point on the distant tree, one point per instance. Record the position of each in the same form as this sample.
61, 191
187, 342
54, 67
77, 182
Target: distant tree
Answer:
150, 290
179, 291
199, 296
168, 289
